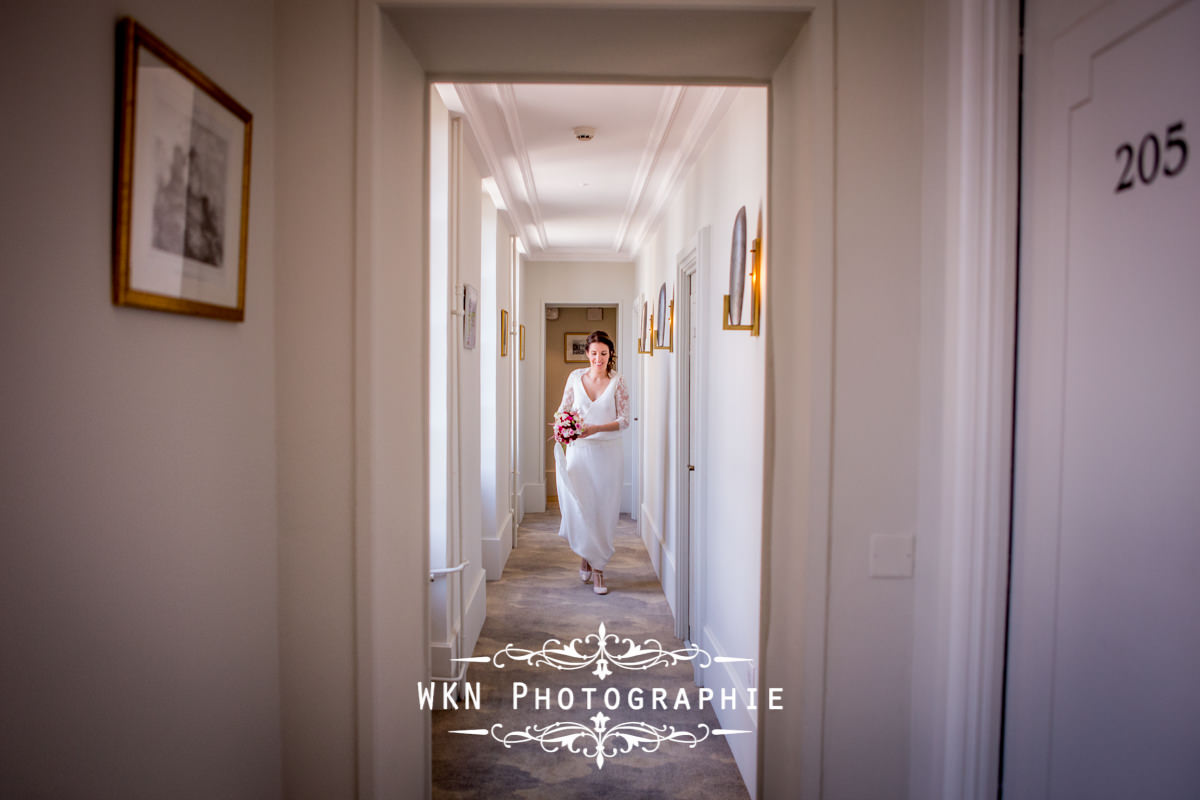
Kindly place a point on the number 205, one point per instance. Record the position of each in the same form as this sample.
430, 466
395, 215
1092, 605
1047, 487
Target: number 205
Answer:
1169, 156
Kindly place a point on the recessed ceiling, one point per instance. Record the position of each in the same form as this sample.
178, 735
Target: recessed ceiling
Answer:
592, 200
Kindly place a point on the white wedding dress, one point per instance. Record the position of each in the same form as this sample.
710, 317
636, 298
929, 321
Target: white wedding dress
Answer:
588, 473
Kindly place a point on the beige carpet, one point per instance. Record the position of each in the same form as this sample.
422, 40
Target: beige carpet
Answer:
539, 598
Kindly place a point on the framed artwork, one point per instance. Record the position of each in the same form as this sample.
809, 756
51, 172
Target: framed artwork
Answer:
503, 332
521, 342
470, 316
575, 347
182, 194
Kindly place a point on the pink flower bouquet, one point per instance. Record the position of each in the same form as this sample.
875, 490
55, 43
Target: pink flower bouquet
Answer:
567, 425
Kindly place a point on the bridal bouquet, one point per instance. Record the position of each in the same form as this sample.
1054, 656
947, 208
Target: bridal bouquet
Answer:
567, 425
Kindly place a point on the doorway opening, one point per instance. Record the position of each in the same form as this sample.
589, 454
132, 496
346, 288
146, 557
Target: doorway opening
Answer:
611, 233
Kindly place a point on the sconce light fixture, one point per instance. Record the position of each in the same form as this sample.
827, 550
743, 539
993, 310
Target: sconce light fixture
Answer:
731, 314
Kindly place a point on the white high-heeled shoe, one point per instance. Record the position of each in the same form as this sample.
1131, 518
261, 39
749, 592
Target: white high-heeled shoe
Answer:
585, 573
598, 587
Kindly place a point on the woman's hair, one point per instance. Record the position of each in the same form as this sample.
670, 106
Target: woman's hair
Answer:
602, 338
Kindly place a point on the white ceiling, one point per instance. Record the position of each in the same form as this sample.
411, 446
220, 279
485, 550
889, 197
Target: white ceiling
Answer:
597, 200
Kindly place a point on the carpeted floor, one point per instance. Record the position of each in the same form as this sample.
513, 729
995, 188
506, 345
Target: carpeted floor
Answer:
540, 598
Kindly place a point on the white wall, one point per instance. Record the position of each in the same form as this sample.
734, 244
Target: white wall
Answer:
845, 376
545, 282
876, 391
457, 603
731, 173
470, 271
138, 573
496, 403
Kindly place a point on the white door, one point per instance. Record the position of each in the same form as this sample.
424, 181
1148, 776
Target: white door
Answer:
685, 353
1103, 687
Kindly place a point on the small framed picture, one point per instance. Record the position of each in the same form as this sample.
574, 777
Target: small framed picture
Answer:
503, 332
575, 347
521, 340
182, 190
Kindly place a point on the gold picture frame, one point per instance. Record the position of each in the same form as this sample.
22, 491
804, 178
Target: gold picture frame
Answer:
182, 194
575, 348
521, 342
503, 333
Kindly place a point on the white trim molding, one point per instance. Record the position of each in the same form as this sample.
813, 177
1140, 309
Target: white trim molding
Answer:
962, 566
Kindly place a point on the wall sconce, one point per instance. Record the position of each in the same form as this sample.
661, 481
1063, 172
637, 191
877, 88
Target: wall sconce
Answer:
669, 338
647, 331
731, 313
659, 339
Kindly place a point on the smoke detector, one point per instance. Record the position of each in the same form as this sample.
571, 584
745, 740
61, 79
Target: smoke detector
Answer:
584, 133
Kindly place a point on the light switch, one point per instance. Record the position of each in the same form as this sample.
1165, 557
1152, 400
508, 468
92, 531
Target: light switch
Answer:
891, 556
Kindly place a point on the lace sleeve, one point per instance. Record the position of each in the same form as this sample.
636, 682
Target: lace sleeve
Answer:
622, 397
568, 398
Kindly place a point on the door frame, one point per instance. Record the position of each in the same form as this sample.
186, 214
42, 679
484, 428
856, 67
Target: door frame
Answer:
970, 355
966, 488
689, 550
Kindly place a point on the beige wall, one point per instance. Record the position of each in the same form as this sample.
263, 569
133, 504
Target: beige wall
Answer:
315, 73
138, 560
559, 283
570, 320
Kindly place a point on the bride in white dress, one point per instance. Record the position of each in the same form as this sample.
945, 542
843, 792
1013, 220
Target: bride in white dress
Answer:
588, 472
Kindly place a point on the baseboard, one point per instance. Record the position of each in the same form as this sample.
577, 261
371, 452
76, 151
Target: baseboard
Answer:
496, 549
648, 522
476, 611
441, 652
724, 676
667, 578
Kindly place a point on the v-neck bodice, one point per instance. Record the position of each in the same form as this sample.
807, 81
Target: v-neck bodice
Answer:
611, 405
603, 391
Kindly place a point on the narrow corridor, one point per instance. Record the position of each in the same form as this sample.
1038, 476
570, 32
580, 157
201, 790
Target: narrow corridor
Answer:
540, 598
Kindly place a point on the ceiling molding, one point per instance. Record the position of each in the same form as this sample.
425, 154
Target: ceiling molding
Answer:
512, 121
668, 110
651, 140
714, 102
477, 109
574, 254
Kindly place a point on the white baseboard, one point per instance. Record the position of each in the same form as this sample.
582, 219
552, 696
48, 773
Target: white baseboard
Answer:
441, 652
496, 549
476, 610
735, 675
649, 523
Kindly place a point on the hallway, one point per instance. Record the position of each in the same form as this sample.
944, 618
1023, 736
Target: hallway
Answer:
541, 597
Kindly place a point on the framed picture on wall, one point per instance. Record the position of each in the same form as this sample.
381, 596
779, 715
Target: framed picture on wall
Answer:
503, 332
521, 342
470, 316
182, 194
575, 347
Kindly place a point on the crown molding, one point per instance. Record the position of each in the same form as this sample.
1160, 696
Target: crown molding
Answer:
683, 124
